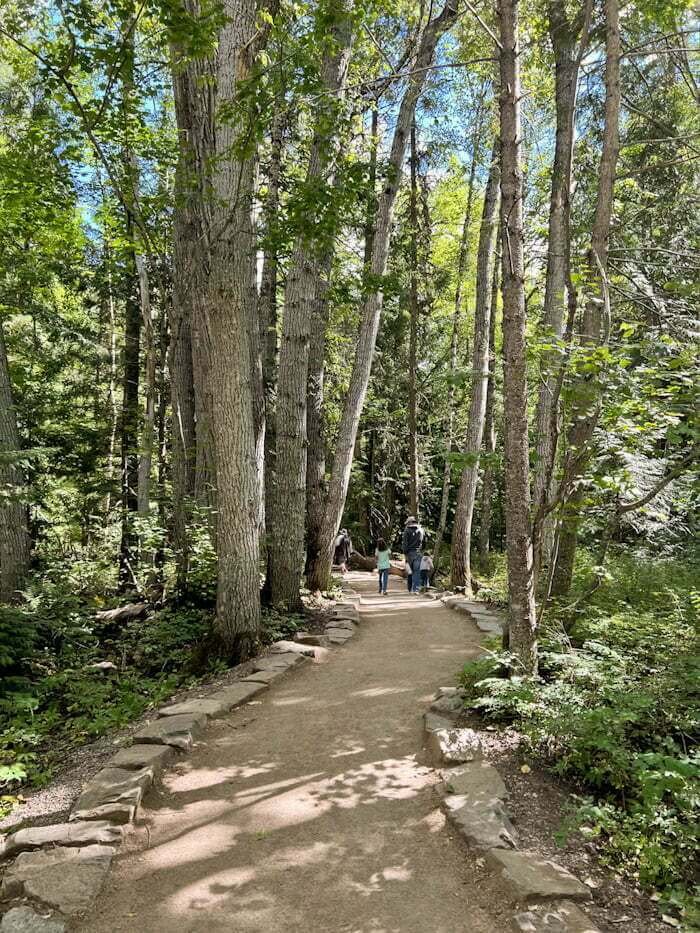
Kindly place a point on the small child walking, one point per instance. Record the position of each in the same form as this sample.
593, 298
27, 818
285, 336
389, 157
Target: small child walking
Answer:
383, 555
426, 571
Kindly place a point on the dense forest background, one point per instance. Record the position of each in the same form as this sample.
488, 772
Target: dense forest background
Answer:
266, 271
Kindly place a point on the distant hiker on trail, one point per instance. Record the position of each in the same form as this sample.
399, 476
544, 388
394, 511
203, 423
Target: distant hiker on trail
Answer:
343, 550
426, 571
383, 555
412, 542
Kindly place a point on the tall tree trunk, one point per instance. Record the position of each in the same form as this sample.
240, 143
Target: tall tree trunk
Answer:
462, 535
316, 450
14, 530
414, 312
454, 343
230, 316
316, 439
371, 313
112, 407
488, 481
588, 390
287, 521
131, 419
523, 626
129, 427
187, 288
267, 302
150, 388
225, 312
567, 56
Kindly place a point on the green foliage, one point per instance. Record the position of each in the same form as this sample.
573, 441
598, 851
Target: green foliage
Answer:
51, 699
617, 711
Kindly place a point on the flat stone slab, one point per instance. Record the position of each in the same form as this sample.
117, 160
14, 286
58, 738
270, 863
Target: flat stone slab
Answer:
113, 794
204, 707
155, 757
282, 647
348, 607
64, 878
177, 731
61, 834
484, 826
528, 877
339, 636
452, 746
26, 920
450, 706
563, 917
279, 662
237, 694
478, 781
346, 624
432, 722
263, 677
320, 641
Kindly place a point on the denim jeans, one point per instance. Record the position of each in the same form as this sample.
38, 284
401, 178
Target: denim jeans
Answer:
413, 559
425, 578
383, 580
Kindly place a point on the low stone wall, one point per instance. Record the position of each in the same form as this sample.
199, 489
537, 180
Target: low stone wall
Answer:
54, 874
475, 802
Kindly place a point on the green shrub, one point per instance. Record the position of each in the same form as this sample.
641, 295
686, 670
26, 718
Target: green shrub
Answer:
616, 710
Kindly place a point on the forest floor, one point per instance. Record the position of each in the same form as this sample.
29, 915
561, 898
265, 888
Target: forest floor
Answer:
311, 810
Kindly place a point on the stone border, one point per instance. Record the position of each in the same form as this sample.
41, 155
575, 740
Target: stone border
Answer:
474, 800
59, 870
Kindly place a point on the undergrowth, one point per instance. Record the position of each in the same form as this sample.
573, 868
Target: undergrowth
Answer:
615, 710
51, 698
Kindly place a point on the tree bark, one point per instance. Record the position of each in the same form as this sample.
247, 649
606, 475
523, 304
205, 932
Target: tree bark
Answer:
522, 623
588, 391
221, 200
14, 529
130, 421
267, 302
488, 480
150, 373
414, 312
316, 440
454, 344
187, 291
568, 42
371, 313
287, 521
462, 535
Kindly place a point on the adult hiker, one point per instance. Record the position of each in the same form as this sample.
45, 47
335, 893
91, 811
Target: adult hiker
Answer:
343, 550
412, 542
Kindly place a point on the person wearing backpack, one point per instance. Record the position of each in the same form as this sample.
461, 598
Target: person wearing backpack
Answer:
342, 550
412, 542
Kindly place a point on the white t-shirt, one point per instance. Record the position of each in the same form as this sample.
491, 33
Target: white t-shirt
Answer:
426, 563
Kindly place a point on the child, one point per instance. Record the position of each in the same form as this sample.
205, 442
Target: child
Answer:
426, 569
383, 563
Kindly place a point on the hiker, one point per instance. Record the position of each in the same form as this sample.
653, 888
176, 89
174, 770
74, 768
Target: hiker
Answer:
412, 542
383, 555
426, 571
343, 550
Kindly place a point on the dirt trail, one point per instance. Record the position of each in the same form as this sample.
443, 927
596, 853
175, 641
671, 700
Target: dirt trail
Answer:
310, 811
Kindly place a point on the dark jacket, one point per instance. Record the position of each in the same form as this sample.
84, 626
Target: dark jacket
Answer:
413, 538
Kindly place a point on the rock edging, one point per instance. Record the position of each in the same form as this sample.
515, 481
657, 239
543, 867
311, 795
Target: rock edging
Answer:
59, 869
474, 801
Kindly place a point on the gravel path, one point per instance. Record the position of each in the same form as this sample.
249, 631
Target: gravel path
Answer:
310, 810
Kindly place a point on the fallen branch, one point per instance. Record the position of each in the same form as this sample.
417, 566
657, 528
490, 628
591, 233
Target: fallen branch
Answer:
122, 613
